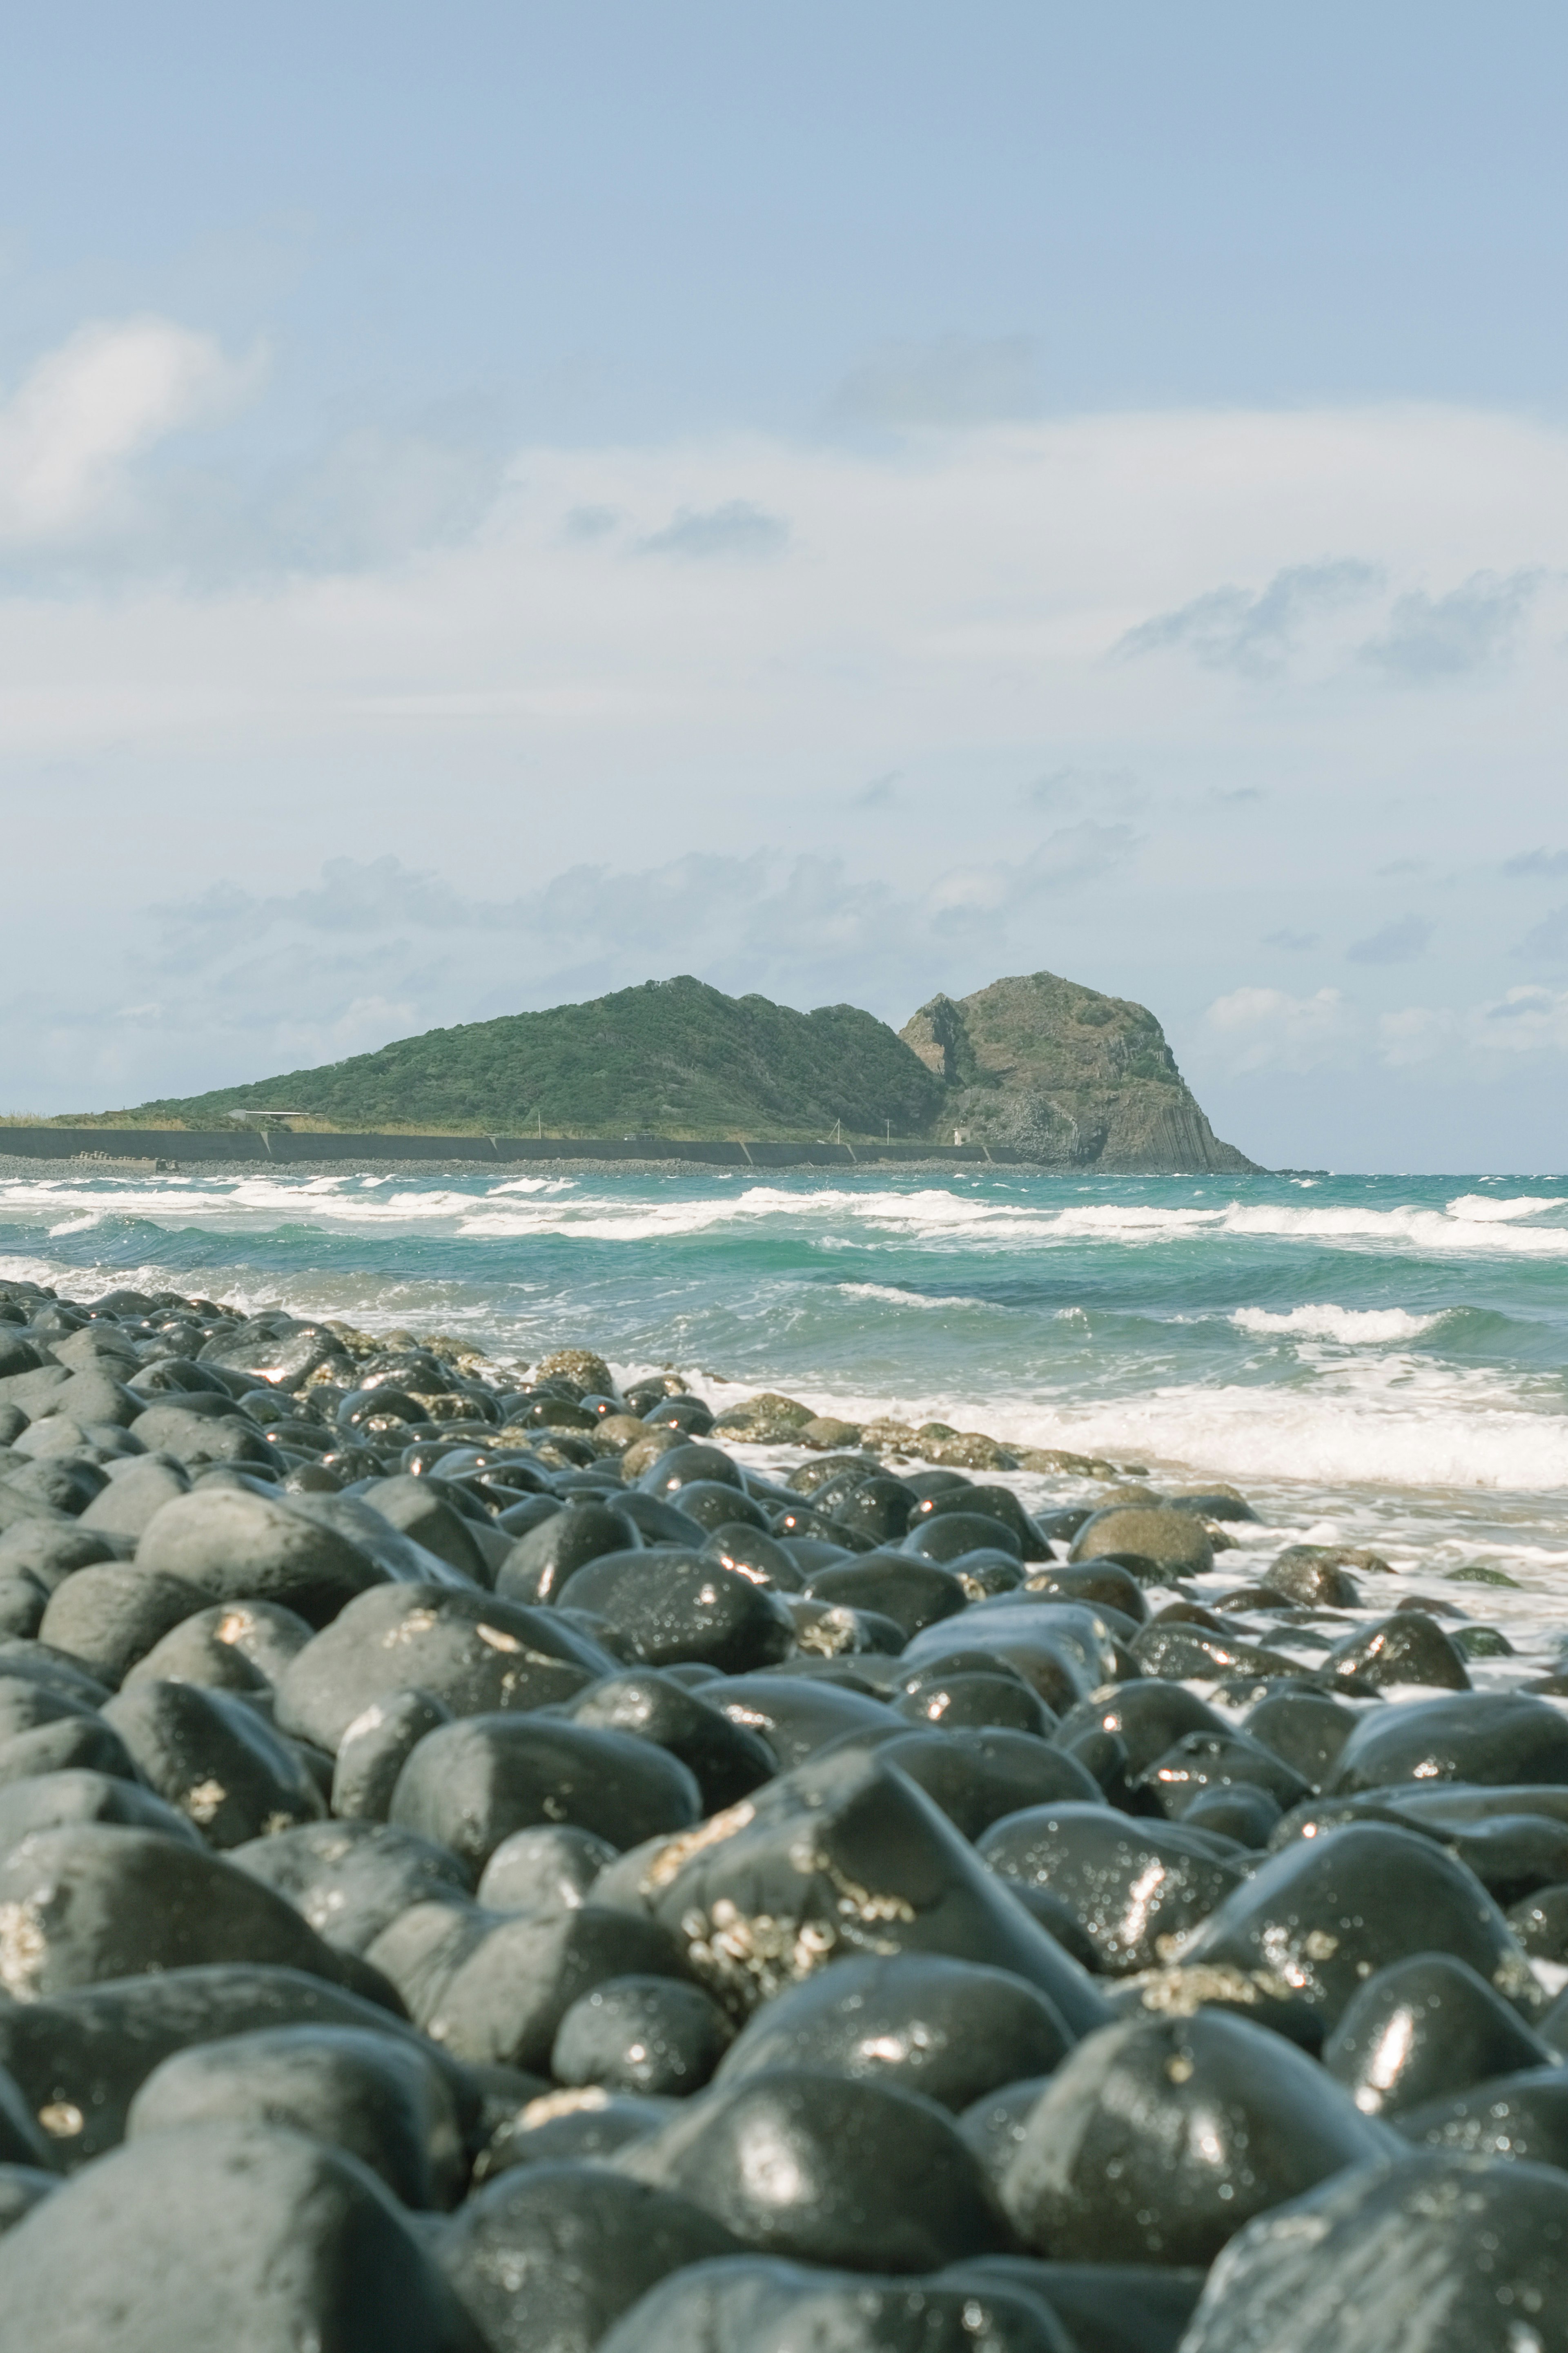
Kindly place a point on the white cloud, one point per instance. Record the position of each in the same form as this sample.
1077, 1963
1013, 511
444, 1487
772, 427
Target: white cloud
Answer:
1470, 629
1267, 1029
1253, 633
84, 411
1399, 942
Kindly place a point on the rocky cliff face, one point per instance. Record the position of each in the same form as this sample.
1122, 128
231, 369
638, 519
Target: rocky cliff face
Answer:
1073, 1078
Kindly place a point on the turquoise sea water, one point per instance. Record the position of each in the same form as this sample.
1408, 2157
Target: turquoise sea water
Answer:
1385, 1356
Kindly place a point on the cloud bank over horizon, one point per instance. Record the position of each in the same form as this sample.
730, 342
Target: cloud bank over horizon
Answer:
1254, 715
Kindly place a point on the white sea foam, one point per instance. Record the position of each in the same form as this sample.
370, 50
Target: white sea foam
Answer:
1482, 1209
894, 1297
1356, 1327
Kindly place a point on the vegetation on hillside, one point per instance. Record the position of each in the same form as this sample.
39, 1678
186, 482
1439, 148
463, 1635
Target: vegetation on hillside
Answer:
672, 1058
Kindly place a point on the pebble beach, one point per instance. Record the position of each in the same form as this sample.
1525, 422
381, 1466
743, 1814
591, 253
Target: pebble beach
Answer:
526, 1838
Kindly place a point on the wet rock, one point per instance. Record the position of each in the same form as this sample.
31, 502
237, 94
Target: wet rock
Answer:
55, 1799
977, 1777
547, 1869
297, 2244
70, 1744
828, 2170
641, 2035
675, 1607
416, 1509
793, 1716
67, 1484
1117, 1734
239, 1546
350, 1880
567, 2127
475, 1652
470, 1784
956, 1534
507, 1996
379, 2097
679, 1465
1100, 1584
134, 1496
1325, 1914
840, 1858
213, 1759
111, 1614
880, 1508
1499, 1738
546, 2260
545, 1559
1434, 2252
1522, 2115
1540, 1923
375, 1747
1306, 1731
1157, 2139
49, 1551
1408, 1648
727, 1758
1174, 1541
767, 2306
761, 1557
1201, 1763
950, 2030
995, 1503
913, 1593
1135, 1887
196, 1439
1423, 2029
1178, 1652
972, 1701
91, 1901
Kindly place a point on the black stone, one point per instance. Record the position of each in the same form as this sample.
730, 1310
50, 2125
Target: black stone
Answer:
350, 1880
675, 1607
972, 1701
213, 1759
641, 2035
1408, 1648
1157, 2139
1135, 1887
239, 1546
542, 1562
956, 1533
242, 2236
828, 2170
476, 1653
549, 2258
544, 1870
795, 1715
470, 1784
1500, 1737
1326, 1913
978, 1776
381, 2097
507, 1995
950, 2030
110, 1616
913, 1593
726, 1757
1434, 2254
55, 1799
1305, 1730
1423, 2029
1201, 1762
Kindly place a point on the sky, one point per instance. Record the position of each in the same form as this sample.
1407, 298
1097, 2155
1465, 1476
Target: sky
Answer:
502, 502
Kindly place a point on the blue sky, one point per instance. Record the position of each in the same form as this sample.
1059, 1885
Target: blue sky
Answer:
496, 503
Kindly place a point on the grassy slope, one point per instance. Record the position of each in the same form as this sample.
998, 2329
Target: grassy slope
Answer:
674, 1057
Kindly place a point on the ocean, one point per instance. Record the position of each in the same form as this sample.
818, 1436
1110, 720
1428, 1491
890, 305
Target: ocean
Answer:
1377, 1361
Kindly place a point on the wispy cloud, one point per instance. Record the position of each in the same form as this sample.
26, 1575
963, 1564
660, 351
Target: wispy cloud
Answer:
1548, 943
1472, 628
1399, 942
1530, 864
1252, 631
1270, 1028
955, 381
736, 529
1294, 942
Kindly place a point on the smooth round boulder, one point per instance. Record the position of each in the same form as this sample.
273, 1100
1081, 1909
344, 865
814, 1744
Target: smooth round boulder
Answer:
1436, 2252
507, 1997
545, 1870
471, 1784
477, 1653
1497, 1738
949, 2030
549, 2257
1324, 1915
726, 1757
543, 1560
241, 2236
351, 1879
763, 2305
375, 1747
215, 1758
92, 1902
1177, 1541
673, 1607
1157, 2139
111, 1614
828, 2170
1408, 1648
1423, 2029
1136, 1888
641, 2035
240, 1546
979, 1776
378, 2096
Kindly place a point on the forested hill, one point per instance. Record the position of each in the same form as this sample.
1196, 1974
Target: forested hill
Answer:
674, 1057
